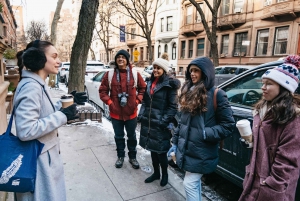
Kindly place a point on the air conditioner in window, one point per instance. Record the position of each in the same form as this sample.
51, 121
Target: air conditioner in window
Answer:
236, 54
237, 10
223, 55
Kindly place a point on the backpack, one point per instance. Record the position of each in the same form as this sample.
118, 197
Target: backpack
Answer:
134, 74
215, 109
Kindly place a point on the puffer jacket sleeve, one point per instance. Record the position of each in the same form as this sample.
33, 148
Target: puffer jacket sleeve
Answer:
224, 120
57, 105
104, 90
29, 124
176, 131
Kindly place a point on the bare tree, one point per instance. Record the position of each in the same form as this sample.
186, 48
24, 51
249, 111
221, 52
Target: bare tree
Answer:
210, 32
36, 30
82, 44
139, 11
105, 12
55, 20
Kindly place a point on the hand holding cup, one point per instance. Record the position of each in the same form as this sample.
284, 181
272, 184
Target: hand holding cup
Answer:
245, 131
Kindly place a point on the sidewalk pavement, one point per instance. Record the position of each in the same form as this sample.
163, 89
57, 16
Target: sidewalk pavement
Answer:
89, 154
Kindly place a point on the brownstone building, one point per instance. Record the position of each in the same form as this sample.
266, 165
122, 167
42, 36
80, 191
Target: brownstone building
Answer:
249, 32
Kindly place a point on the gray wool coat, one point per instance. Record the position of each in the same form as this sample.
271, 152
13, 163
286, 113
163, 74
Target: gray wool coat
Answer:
37, 117
273, 171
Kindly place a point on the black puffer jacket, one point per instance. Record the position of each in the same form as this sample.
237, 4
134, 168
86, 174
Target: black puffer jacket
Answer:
198, 136
157, 111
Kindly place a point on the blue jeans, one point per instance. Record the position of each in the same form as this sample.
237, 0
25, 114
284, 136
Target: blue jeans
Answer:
192, 186
130, 126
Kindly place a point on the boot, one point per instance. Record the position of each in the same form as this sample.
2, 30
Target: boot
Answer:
153, 177
135, 164
119, 162
164, 180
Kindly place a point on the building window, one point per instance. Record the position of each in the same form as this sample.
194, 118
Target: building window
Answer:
239, 49
169, 23
132, 32
191, 44
174, 51
267, 2
189, 14
4, 31
238, 6
225, 7
159, 51
262, 42
200, 47
161, 24
225, 44
281, 39
166, 48
182, 49
278, 1
198, 18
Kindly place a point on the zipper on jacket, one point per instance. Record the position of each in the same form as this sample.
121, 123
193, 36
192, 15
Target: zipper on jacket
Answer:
149, 121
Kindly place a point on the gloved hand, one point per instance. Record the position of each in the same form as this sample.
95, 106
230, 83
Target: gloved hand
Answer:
79, 97
71, 112
245, 143
172, 149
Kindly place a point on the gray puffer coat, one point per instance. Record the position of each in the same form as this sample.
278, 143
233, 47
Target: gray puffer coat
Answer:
198, 136
157, 111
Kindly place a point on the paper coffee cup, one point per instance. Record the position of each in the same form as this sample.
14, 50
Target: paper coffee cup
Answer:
66, 100
173, 157
245, 129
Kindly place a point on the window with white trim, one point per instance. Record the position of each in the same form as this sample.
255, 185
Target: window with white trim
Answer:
267, 2
198, 17
224, 7
262, 42
161, 24
281, 39
189, 14
169, 23
159, 51
174, 51
182, 49
238, 6
191, 44
132, 32
239, 49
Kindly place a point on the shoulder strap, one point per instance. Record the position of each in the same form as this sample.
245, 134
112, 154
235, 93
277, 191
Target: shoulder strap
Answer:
215, 109
110, 76
215, 99
135, 77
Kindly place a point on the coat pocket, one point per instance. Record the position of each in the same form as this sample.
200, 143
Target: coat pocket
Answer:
267, 193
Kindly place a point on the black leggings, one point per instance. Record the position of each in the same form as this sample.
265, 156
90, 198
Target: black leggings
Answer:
159, 159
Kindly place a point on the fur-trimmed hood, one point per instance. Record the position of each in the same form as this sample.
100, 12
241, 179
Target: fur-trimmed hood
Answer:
174, 83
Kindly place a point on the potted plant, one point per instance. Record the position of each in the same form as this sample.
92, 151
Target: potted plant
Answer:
10, 55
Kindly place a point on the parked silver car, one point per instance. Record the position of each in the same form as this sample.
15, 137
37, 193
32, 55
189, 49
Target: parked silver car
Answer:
224, 73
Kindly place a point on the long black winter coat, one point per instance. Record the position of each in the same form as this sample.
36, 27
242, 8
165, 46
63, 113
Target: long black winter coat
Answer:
198, 136
156, 112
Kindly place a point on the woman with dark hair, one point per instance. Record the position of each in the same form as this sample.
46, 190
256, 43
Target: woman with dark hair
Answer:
37, 117
202, 125
273, 171
158, 109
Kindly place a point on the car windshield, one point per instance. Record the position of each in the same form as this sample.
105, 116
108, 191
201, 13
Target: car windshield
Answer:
245, 91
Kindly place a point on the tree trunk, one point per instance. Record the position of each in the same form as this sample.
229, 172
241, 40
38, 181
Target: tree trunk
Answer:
149, 43
55, 20
82, 44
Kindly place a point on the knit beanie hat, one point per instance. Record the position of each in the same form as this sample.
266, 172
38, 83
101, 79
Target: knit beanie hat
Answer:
286, 74
125, 54
164, 64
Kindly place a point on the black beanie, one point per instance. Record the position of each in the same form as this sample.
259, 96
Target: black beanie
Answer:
124, 53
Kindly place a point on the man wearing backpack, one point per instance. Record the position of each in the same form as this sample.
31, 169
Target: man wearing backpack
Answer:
122, 90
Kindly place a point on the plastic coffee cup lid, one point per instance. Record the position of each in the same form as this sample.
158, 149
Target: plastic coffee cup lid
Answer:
68, 96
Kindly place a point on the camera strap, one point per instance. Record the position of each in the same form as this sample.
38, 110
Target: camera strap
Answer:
127, 75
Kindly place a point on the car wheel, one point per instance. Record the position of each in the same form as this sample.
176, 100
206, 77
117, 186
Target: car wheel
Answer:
106, 112
87, 93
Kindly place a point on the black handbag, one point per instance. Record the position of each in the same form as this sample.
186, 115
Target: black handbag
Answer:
18, 161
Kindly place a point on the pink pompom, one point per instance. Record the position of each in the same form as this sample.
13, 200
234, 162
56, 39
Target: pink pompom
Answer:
293, 59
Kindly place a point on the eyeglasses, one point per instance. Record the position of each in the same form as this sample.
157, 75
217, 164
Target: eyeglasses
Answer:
121, 57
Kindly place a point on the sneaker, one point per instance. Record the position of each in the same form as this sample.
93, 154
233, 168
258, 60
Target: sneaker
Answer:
135, 164
119, 162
